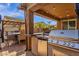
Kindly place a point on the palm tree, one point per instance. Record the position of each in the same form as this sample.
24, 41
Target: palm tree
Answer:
51, 27
49, 24
40, 25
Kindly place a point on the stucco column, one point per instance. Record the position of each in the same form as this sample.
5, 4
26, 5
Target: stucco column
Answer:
29, 28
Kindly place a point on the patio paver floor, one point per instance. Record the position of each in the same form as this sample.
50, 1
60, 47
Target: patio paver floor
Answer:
15, 50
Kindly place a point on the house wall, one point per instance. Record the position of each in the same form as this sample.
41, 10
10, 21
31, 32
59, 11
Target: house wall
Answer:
60, 24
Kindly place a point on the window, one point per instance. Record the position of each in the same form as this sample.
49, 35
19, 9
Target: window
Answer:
69, 25
72, 25
65, 25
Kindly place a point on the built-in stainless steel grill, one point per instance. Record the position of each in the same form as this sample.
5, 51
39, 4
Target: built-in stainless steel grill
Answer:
68, 38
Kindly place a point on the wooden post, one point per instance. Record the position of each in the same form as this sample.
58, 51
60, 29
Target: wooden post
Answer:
29, 28
2, 33
59, 25
26, 29
19, 30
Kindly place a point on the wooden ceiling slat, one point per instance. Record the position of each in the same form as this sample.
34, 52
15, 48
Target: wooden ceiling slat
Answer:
61, 10
54, 10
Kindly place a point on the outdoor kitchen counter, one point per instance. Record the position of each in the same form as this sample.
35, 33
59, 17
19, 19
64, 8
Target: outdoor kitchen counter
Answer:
41, 37
39, 44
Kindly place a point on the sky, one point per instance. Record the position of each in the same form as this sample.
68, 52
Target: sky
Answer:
45, 20
11, 9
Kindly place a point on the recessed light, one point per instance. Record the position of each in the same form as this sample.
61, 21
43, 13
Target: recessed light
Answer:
54, 8
67, 15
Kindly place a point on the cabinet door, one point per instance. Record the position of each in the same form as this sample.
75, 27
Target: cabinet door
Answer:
34, 45
58, 53
42, 48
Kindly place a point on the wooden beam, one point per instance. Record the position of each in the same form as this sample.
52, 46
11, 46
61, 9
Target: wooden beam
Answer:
37, 6
43, 13
48, 15
12, 22
71, 17
31, 6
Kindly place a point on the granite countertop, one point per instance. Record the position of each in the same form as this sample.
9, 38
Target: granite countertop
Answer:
14, 33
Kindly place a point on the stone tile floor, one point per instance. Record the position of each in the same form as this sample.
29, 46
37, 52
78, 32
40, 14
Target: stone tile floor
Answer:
15, 50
